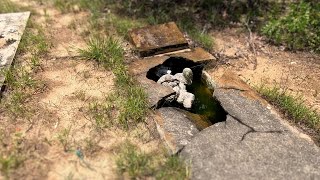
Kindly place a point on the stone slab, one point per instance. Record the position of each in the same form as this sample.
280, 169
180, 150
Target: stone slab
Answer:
174, 128
11, 29
158, 39
140, 66
253, 143
197, 55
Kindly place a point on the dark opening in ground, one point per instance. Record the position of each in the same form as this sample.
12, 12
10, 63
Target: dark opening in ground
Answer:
206, 110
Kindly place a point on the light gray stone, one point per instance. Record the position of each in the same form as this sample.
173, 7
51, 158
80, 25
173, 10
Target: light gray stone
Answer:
251, 144
175, 128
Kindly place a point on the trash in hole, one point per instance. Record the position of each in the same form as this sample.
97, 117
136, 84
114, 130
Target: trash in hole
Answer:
192, 94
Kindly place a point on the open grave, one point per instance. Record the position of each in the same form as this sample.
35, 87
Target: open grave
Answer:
229, 132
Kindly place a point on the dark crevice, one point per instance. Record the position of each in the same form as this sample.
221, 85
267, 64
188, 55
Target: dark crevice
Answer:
163, 49
176, 65
253, 130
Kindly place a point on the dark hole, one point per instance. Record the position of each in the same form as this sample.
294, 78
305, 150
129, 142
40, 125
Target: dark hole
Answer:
206, 110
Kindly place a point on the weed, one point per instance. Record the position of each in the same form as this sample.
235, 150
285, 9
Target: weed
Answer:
298, 28
106, 51
102, 114
64, 5
18, 79
34, 41
122, 24
11, 157
133, 109
173, 168
136, 163
292, 106
91, 146
203, 38
9, 162
64, 138
139, 165
7, 6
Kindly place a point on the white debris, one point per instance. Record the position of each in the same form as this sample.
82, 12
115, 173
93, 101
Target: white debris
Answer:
178, 83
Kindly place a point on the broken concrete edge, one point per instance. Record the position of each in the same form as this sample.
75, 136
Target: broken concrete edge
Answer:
244, 90
7, 53
230, 81
157, 39
174, 128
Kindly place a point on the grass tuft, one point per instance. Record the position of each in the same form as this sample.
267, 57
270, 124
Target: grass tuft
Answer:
106, 51
136, 164
298, 28
131, 99
293, 107
6, 6
173, 168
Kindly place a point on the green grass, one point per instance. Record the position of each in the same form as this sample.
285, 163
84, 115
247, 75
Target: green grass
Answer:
102, 115
293, 107
19, 81
11, 157
64, 138
106, 51
134, 162
173, 168
297, 28
137, 164
131, 99
6, 6
9, 162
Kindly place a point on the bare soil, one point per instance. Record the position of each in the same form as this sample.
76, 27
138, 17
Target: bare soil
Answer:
259, 63
59, 112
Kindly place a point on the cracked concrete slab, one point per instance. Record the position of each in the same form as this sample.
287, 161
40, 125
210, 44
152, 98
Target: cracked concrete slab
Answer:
174, 128
11, 29
253, 143
158, 39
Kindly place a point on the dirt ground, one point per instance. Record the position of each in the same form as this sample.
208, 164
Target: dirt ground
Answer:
71, 84
257, 62
60, 123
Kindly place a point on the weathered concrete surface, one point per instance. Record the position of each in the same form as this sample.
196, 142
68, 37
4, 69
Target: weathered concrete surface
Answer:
158, 39
174, 128
253, 143
155, 91
197, 55
11, 29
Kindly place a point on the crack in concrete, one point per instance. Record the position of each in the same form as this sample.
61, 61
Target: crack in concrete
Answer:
253, 130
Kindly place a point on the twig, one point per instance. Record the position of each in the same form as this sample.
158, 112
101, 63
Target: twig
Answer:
252, 45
